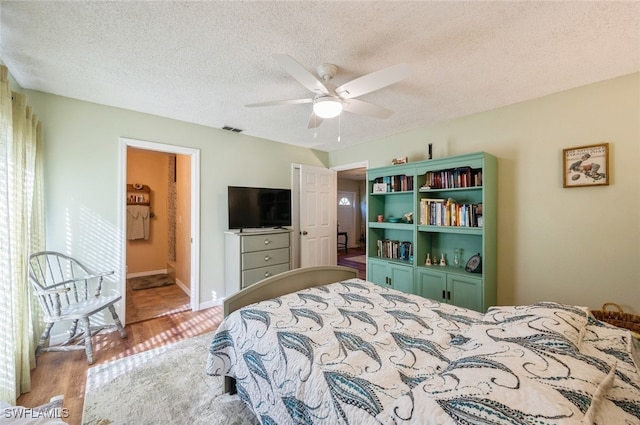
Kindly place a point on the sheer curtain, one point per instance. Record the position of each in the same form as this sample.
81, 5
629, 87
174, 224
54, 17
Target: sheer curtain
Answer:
21, 232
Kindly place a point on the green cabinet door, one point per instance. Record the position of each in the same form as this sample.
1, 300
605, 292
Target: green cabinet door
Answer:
401, 277
377, 272
431, 284
465, 291
390, 274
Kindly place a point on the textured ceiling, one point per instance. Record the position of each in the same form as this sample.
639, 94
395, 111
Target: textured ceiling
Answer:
201, 62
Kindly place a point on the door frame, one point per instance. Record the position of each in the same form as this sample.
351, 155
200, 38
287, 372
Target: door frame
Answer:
354, 207
361, 164
194, 155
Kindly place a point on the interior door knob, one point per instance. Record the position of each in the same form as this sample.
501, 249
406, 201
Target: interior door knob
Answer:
304, 233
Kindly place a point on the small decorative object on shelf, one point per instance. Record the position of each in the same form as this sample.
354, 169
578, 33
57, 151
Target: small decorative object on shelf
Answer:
457, 255
428, 260
409, 217
402, 160
443, 262
379, 187
474, 265
138, 194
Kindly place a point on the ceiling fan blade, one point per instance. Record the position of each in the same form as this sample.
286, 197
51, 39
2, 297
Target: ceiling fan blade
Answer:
373, 81
300, 73
279, 102
360, 107
314, 120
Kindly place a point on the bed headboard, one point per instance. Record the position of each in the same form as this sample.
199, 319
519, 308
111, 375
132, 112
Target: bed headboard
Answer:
286, 283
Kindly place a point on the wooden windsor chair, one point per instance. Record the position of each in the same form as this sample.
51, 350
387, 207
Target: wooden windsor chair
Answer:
69, 292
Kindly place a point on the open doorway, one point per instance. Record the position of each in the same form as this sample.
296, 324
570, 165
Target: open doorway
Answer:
351, 204
160, 255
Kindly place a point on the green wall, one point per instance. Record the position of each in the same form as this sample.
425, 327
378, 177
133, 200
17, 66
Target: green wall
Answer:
82, 166
578, 245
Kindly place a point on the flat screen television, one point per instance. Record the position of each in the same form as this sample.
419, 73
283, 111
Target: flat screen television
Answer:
258, 207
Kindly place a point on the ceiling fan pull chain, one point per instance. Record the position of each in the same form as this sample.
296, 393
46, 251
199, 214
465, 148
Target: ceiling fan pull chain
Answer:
315, 126
339, 125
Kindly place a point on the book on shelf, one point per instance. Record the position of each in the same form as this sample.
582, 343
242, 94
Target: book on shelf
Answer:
453, 178
448, 212
399, 183
387, 248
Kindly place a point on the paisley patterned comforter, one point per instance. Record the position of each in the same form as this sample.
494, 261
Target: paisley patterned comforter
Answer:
356, 353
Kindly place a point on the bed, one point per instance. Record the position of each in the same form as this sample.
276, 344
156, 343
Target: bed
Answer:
318, 345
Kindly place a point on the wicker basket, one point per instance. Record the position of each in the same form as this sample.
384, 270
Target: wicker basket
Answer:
618, 317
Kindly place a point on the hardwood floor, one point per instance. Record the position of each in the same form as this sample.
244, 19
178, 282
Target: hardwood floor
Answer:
65, 372
155, 317
343, 260
153, 302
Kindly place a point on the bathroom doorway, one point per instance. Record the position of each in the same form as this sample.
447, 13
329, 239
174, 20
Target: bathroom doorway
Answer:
160, 229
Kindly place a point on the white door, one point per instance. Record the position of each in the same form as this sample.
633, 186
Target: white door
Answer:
318, 227
347, 216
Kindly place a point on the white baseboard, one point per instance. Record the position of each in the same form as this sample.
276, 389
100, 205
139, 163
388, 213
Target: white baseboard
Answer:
148, 273
213, 303
184, 287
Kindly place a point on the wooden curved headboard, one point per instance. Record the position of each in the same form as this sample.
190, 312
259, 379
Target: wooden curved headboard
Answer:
286, 283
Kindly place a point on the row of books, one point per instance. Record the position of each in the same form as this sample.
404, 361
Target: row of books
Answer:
399, 183
448, 212
395, 249
453, 178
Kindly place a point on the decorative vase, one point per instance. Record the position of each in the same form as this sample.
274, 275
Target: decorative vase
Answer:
457, 256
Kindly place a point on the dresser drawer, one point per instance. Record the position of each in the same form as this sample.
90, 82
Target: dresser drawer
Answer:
252, 260
261, 242
249, 277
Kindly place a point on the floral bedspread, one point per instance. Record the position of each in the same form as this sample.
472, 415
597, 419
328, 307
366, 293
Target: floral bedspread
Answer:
356, 353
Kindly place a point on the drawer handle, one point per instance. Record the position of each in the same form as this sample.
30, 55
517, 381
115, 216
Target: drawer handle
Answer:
267, 274
267, 258
267, 241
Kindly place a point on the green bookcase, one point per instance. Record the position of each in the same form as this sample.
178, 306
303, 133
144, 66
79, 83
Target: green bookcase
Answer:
460, 193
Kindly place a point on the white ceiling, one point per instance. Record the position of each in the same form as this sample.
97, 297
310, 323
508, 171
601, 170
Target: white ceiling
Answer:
201, 62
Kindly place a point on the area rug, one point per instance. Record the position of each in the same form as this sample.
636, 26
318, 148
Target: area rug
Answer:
152, 281
166, 385
357, 259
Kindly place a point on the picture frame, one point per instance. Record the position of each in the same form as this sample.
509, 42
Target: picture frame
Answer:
586, 166
379, 187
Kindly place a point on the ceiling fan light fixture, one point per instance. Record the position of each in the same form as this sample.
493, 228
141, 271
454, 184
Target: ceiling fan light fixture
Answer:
327, 107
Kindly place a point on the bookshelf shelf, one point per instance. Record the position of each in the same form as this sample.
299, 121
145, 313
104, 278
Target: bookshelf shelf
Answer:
451, 229
468, 200
396, 226
451, 189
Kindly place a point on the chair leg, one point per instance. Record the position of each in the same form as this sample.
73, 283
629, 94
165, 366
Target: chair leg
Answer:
73, 329
88, 345
116, 319
43, 338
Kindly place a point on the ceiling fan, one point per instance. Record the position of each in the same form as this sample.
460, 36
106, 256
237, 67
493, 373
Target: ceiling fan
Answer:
328, 100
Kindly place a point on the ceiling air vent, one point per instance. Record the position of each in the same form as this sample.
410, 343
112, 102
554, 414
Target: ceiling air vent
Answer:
235, 130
